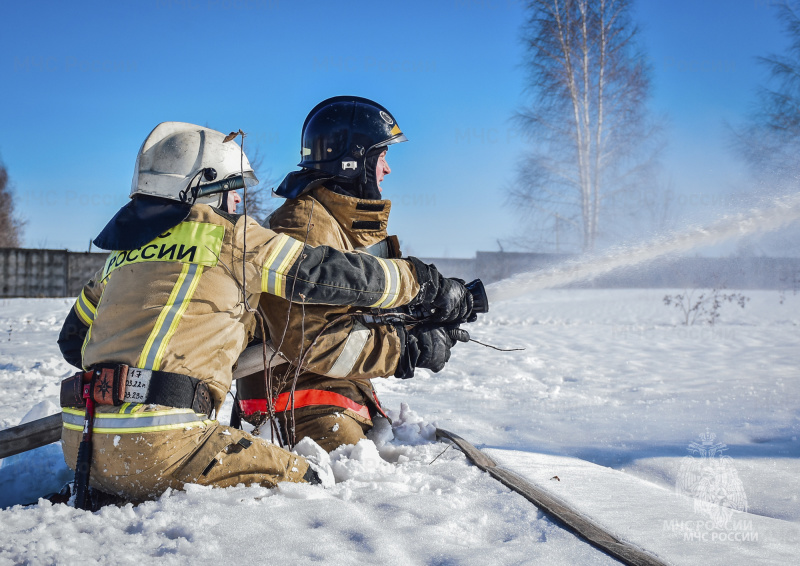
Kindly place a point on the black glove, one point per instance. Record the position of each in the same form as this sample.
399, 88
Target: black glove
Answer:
427, 347
440, 299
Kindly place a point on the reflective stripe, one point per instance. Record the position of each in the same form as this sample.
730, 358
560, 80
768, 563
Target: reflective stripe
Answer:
170, 316
353, 346
394, 270
85, 309
381, 249
304, 398
127, 423
392, 273
128, 408
273, 277
387, 279
88, 337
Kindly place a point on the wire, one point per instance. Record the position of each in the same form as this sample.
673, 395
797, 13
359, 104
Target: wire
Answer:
496, 348
291, 425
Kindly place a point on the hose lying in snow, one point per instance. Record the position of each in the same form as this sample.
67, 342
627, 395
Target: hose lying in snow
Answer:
571, 519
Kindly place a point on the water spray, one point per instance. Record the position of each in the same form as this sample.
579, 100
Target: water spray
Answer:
781, 213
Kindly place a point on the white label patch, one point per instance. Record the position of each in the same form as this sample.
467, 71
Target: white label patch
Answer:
137, 385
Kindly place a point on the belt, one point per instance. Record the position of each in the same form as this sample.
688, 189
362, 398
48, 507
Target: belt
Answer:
115, 384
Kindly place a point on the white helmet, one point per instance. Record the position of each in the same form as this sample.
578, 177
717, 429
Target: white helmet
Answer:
177, 155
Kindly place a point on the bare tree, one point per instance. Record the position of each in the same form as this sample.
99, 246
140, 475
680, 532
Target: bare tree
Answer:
592, 140
259, 202
10, 225
769, 139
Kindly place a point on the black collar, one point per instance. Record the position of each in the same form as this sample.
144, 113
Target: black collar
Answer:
140, 221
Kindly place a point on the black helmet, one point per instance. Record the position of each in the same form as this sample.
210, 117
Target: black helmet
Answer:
340, 131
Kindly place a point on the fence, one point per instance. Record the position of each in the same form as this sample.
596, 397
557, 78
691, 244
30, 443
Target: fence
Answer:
45, 273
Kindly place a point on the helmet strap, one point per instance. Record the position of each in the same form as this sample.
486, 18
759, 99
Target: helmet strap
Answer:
223, 206
369, 183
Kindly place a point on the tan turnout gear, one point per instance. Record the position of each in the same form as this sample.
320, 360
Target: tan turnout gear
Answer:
176, 305
347, 354
141, 466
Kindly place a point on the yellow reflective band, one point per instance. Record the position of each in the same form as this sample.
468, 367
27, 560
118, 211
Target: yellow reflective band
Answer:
85, 317
282, 257
89, 332
181, 310
267, 280
395, 283
189, 242
280, 283
157, 428
145, 421
135, 415
148, 346
170, 316
395, 130
85, 309
387, 285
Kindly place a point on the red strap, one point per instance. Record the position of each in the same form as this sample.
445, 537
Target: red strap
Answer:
378, 403
304, 398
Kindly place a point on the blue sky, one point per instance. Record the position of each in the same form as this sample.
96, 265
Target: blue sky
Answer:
84, 83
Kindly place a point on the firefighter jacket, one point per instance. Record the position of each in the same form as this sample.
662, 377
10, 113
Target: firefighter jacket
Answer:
334, 347
178, 303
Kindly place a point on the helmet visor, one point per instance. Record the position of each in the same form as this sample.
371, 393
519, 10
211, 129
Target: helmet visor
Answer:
250, 179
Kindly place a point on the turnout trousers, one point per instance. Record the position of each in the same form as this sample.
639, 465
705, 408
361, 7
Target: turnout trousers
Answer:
133, 459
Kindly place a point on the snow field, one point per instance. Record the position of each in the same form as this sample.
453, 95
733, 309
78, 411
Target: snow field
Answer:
609, 376
390, 506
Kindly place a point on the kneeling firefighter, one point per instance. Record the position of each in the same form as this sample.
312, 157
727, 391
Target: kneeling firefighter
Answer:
325, 392
159, 328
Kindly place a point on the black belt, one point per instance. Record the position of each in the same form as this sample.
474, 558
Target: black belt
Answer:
179, 391
119, 382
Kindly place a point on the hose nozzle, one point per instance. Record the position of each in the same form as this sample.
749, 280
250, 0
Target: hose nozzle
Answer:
480, 301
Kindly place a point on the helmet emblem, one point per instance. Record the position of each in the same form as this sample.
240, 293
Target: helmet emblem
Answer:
386, 118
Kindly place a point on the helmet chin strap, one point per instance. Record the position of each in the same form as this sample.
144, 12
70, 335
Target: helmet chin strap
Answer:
223, 206
369, 185
365, 185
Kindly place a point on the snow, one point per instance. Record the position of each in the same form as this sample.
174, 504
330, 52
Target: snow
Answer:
607, 376
662, 521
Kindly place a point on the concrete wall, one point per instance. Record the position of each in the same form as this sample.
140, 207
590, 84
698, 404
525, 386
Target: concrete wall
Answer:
45, 273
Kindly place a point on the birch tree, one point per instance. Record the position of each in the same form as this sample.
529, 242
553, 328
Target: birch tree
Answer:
593, 143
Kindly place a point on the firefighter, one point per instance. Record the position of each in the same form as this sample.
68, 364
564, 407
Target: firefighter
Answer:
325, 392
159, 328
